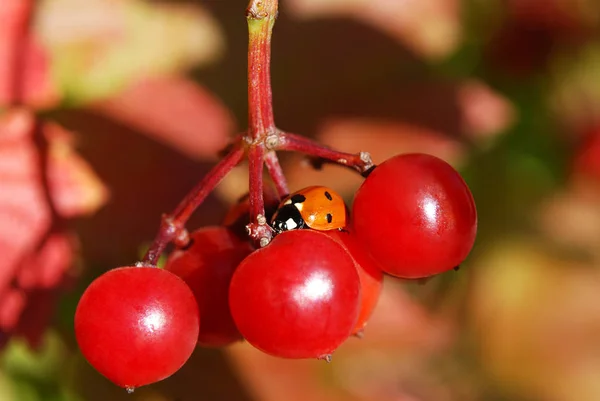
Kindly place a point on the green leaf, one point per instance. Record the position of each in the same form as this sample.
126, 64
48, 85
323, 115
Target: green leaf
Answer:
41, 365
100, 47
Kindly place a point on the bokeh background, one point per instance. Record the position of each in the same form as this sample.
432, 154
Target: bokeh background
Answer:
110, 110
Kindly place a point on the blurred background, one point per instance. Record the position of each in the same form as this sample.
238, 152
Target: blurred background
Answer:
111, 110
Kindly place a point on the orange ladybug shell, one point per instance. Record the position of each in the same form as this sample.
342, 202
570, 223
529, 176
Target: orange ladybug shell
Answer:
322, 209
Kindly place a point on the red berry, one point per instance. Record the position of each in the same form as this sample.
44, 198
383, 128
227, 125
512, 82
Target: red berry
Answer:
415, 215
369, 273
137, 325
298, 297
207, 266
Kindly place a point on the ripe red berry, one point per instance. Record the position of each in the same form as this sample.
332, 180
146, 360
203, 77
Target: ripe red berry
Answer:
137, 325
369, 273
207, 266
415, 215
298, 297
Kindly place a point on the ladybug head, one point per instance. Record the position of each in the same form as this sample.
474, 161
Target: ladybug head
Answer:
287, 218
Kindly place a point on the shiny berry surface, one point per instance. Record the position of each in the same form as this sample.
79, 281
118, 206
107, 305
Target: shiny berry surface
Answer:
298, 297
137, 325
369, 273
207, 266
415, 215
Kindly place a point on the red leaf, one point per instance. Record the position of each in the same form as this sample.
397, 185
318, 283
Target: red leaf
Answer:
175, 111
36, 315
485, 113
75, 189
12, 303
24, 213
26, 309
42, 181
48, 265
25, 75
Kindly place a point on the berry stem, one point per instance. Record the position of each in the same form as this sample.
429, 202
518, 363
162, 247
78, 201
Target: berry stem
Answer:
261, 15
255, 173
360, 162
276, 173
172, 227
258, 229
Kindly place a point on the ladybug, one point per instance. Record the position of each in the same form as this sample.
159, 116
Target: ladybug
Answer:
319, 208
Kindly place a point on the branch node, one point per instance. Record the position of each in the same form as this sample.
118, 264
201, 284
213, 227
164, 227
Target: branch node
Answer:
366, 157
272, 142
261, 234
261, 9
182, 238
261, 220
248, 139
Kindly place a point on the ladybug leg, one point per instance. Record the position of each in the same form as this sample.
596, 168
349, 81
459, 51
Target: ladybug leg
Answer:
456, 268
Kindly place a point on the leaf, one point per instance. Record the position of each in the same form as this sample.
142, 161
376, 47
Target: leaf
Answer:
485, 113
99, 47
431, 28
47, 267
25, 74
12, 303
43, 182
75, 189
39, 366
175, 111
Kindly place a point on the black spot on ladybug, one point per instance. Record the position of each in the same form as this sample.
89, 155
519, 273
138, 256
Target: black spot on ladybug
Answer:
298, 198
328, 195
329, 218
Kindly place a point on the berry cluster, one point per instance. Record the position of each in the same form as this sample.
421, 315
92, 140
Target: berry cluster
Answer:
302, 295
303, 276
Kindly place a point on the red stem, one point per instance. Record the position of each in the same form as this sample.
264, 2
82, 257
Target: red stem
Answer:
258, 229
261, 15
360, 162
172, 226
276, 173
255, 173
